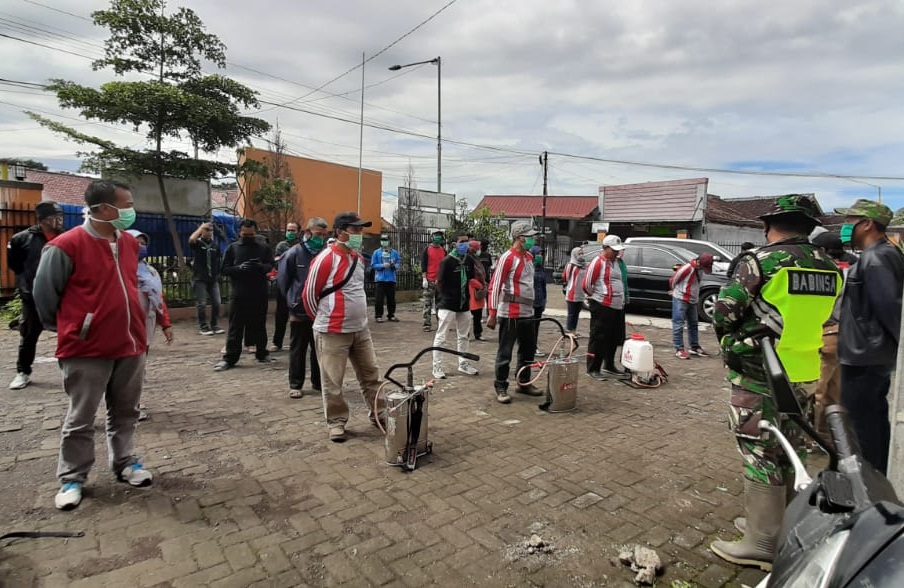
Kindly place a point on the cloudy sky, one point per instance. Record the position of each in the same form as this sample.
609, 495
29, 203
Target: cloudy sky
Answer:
762, 86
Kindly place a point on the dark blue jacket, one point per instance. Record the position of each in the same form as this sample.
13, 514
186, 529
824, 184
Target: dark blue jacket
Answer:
294, 265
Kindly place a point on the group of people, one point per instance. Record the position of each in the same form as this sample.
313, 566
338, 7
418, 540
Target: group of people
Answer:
835, 327
92, 285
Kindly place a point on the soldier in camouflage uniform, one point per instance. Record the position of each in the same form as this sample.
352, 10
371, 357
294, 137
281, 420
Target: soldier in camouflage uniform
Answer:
785, 291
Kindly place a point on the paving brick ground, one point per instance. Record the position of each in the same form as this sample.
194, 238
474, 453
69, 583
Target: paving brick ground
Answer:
249, 492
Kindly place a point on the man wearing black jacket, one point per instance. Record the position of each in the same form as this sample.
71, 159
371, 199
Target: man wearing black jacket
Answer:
870, 320
23, 255
453, 275
205, 269
247, 262
294, 266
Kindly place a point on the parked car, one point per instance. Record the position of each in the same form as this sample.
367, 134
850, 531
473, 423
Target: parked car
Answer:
721, 257
650, 265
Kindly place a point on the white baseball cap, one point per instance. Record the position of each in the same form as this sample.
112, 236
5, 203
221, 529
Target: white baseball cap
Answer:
614, 242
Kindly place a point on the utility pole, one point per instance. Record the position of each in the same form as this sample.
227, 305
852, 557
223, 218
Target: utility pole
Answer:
361, 135
544, 161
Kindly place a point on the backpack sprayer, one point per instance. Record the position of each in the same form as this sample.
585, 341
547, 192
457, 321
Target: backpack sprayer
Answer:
637, 357
563, 369
406, 413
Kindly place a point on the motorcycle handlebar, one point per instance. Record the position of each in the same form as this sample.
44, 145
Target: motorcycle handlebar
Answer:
840, 426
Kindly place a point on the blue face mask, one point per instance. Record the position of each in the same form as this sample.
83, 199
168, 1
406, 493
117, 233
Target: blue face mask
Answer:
142, 251
461, 249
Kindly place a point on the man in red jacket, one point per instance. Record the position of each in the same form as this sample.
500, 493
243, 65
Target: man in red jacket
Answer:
86, 289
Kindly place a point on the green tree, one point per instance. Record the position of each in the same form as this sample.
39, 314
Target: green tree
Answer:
272, 188
177, 102
489, 226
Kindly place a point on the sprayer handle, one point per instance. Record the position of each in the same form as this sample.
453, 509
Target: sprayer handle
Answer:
845, 439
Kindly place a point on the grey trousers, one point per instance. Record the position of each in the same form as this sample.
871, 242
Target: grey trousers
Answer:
334, 351
86, 381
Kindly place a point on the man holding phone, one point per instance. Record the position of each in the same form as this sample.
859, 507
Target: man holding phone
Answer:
247, 262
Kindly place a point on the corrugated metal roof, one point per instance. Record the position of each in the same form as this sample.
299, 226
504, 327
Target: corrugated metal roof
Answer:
61, 188
513, 206
675, 200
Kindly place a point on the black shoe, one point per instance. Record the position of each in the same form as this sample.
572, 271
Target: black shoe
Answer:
597, 376
266, 360
616, 373
222, 366
392, 319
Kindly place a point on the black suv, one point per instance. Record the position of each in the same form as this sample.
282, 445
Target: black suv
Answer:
649, 268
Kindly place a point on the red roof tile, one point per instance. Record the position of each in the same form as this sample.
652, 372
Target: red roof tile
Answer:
672, 200
531, 206
59, 187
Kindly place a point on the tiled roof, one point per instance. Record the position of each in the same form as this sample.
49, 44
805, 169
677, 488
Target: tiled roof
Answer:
673, 200
60, 187
746, 212
563, 207
224, 198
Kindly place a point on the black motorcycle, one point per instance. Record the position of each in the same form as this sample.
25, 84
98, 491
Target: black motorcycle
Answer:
846, 526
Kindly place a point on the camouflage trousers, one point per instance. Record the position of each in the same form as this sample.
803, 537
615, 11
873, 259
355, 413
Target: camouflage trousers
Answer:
764, 459
429, 297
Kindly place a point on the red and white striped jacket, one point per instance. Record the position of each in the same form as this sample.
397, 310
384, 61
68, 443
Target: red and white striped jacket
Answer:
511, 293
573, 276
345, 310
603, 283
685, 282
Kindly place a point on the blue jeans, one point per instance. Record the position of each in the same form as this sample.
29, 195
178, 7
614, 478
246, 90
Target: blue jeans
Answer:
204, 291
684, 312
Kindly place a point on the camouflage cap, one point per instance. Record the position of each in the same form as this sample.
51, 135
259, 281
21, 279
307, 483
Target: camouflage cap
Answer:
801, 204
868, 209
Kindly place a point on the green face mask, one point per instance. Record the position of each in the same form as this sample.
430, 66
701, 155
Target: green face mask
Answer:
314, 243
291, 235
538, 259
355, 242
384, 243
847, 231
126, 218
528, 242
438, 239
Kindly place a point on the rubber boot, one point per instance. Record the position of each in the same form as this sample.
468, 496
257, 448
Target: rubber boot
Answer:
740, 523
765, 512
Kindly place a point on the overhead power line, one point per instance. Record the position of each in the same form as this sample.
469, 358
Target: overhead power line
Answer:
372, 57
741, 172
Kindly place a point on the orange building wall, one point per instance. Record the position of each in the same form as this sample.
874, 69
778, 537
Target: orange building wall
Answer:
17, 206
324, 189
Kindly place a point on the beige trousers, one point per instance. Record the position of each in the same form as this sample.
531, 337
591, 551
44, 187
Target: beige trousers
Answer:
334, 350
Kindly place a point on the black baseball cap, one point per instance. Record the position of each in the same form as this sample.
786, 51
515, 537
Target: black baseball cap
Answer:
349, 219
47, 208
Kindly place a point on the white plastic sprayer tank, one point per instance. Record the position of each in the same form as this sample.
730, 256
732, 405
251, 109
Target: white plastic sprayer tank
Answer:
637, 354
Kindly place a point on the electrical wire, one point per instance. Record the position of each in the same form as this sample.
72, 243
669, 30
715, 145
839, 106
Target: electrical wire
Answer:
369, 59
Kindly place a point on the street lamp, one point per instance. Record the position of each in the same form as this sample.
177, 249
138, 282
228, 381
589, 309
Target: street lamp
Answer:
879, 188
438, 62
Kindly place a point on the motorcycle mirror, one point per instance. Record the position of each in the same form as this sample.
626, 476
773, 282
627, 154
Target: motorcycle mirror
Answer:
782, 392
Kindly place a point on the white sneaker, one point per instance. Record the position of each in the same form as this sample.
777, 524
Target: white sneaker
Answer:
438, 372
468, 369
20, 381
69, 496
206, 332
136, 475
